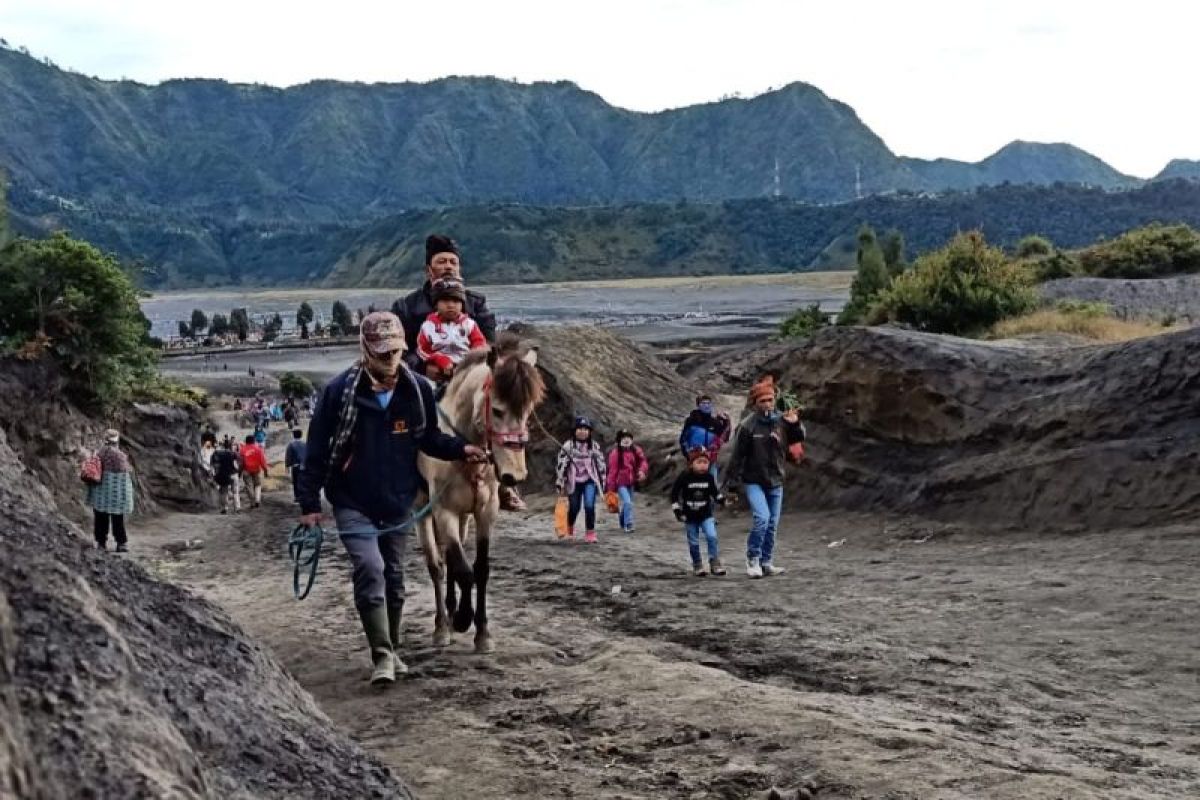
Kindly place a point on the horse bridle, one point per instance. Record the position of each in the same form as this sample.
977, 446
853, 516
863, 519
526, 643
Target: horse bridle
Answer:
515, 440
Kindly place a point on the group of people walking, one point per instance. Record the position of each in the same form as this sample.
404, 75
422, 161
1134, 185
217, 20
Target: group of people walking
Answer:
763, 443
234, 466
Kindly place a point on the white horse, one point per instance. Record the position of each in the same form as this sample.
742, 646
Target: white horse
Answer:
488, 402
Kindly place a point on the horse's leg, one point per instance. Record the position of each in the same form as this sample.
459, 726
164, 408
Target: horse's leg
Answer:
436, 563
460, 572
483, 568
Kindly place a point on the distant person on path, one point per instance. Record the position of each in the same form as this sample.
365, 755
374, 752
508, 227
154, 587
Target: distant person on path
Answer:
447, 334
370, 423
759, 456
225, 469
111, 499
254, 465
580, 471
705, 427
694, 497
260, 435
293, 460
627, 469
441, 261
290, 415
207, 448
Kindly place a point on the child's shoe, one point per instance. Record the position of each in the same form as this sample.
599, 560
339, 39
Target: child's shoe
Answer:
590, 537
716, 567
698, 570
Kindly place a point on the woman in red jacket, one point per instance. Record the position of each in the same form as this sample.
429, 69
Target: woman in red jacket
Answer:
627, 468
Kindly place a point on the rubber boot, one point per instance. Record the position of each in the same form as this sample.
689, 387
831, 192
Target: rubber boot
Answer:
395, 612
375, 625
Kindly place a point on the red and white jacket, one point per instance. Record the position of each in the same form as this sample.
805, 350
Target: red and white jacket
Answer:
444, 344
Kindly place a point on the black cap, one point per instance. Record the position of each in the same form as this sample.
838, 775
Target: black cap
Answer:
436, 243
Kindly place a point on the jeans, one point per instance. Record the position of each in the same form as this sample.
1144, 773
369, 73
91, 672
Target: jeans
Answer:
693, 530
765, 504
584, 495
377, 560
296, 483
100, 527
626, 515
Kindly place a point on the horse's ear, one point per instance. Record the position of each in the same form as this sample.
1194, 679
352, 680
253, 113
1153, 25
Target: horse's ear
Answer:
492, 358
530, 356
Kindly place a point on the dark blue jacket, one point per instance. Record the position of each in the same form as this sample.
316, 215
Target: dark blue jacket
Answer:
379, 479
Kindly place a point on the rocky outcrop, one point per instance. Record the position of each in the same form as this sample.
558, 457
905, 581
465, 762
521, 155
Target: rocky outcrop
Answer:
997, 432
1172, 299
50, 433
113, 684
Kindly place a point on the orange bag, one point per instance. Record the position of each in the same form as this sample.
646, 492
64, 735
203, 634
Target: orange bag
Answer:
561, 509
613, 501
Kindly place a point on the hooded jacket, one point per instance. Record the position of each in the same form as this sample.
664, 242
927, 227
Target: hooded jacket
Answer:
760, 450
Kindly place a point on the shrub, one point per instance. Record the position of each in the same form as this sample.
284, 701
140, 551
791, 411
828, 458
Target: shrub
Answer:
1144, 253
1033, 246
804, 322
872, 278
963, 288
1052, 267
1088, 322
64, 298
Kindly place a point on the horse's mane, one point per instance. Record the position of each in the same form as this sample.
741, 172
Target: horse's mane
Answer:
518, 385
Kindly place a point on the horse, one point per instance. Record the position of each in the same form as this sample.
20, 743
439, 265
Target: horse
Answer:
488, 402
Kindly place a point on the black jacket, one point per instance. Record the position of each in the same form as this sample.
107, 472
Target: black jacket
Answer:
224, 466
379, 479
695, 495
760, 451
414, 308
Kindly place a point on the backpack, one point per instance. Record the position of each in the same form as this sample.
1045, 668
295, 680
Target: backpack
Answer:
253, 460
92, 470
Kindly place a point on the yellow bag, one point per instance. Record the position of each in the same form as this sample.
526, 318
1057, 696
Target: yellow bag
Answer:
613, 501
561, 528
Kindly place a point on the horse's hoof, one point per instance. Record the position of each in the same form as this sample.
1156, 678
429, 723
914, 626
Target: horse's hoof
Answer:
484, 645
463, 619
441, 637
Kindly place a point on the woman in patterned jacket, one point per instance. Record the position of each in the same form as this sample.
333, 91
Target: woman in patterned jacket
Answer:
111, 498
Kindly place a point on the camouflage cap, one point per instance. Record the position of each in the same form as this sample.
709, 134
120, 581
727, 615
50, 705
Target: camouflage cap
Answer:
382, 332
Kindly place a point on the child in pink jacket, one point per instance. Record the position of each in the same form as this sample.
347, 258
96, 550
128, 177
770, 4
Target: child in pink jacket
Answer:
627, 467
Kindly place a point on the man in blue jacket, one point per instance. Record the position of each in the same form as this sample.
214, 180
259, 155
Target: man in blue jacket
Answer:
363, 441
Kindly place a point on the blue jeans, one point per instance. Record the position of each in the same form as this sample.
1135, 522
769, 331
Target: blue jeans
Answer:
693, 529
765, 504
584, 495
626, 515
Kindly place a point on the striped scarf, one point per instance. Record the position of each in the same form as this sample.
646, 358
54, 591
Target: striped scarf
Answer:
343, 437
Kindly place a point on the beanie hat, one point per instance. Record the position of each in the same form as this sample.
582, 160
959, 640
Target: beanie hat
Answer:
112, 436
583, 422
448, 288
436, 243
763, 389
695, 454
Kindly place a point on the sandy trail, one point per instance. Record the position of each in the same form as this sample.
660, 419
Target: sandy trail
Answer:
916, 660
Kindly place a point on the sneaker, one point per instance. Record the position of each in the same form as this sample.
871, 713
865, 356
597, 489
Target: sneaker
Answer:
101, 545
699, 571
590, 537
753, 569
716, 567
224, 510
629, 529
769, 569
121, 548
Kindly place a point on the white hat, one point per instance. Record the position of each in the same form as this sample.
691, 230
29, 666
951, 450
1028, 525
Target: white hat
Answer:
112, 436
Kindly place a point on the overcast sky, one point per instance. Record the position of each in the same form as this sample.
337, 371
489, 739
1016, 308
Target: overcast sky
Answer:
954, 78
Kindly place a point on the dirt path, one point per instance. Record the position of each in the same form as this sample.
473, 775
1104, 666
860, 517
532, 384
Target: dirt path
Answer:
916, 660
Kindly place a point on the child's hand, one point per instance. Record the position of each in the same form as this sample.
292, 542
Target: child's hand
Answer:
721, 500
677, 511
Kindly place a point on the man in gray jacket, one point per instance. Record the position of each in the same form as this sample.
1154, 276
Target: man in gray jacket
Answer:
293, 459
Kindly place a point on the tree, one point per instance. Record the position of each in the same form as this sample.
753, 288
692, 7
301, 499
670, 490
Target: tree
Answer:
304, 318
4, 232
343, 322
872, 278
185, 331
219, 325
272, 328
199, 321
963, 288
64, 298
293, 385
239, 322
893, 252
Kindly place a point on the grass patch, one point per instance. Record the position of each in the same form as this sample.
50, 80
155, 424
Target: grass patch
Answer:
1090, 321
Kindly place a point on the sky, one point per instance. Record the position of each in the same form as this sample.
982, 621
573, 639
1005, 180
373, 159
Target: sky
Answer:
933, 78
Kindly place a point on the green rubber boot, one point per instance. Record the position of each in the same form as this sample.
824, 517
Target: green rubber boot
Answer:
395, 612
375, 625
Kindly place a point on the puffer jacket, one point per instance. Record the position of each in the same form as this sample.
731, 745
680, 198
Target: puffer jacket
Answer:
596, 466
626, 467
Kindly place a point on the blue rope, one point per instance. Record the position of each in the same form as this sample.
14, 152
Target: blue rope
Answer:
304, 546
